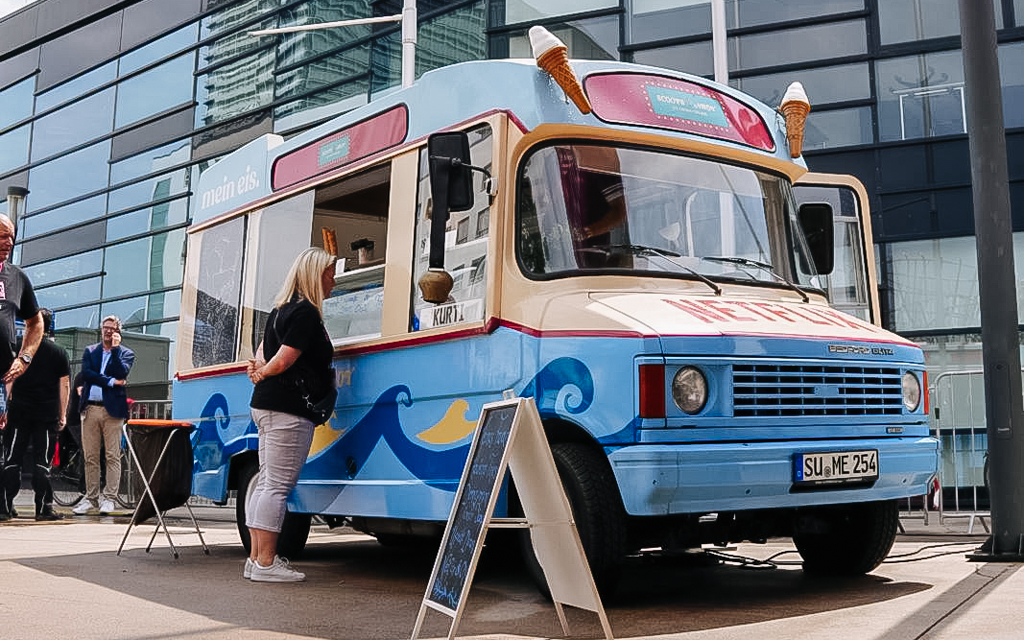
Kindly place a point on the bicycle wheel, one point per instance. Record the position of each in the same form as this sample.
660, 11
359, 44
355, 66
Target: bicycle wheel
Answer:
126, 490
68, 480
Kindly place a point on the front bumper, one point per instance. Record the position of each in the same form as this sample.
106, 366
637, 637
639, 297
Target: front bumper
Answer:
668, 479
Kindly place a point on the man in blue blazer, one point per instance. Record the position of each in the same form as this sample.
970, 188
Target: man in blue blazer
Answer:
104, 408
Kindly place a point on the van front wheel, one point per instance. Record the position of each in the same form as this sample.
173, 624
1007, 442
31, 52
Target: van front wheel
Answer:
597, 510
294, 530
849, 540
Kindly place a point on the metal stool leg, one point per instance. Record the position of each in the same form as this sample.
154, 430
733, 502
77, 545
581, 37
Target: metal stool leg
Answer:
147, 491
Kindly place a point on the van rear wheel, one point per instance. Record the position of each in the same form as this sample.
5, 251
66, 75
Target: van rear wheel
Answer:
598, 513
851, 540
294, 530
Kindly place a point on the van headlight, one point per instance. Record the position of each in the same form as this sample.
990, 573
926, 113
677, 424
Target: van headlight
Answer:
911, 391
690, 390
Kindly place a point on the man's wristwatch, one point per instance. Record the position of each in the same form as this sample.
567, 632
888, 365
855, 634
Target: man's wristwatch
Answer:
27, 359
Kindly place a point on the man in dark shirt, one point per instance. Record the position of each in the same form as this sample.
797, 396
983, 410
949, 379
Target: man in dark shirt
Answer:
38, 411
17, 301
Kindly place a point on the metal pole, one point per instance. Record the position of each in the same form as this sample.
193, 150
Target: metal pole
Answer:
15, 204
1004, 408
719, 41
408, 42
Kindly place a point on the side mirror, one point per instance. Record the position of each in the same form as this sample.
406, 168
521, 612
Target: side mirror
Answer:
451, 151
816, 222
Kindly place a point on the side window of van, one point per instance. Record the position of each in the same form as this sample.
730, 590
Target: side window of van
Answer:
466, 238
210, 296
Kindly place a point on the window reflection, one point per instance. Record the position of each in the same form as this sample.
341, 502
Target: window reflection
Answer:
235, 88
78, 86
144, 264
16, 102
517, 11
88, 317
1011, 77
158, 49
137, 310
823, 85
838, 128
157, 188
150, 161
751, 13
920, 96
14, 148
238, 14
935, 284
73, 125
662, 19
593, 39
69, 176
697, 58
307, 77
798, 45
158, 216
69, 293
65, 268
293, 48
908, 20
156, 90
63, 217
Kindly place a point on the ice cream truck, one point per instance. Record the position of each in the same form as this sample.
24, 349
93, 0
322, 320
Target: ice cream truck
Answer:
642, 252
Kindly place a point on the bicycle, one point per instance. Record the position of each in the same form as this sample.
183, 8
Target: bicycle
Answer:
68, 478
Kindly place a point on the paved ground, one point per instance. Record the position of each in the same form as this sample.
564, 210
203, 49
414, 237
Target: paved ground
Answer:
64, 580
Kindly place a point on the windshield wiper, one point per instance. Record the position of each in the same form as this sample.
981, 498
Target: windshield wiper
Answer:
747, 262
640, 250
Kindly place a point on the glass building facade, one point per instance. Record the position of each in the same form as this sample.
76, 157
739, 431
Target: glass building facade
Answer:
109, 111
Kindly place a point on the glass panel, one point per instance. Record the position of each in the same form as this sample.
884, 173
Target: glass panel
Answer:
215, 323
73, 125
88, 317
68, 177
295, 47
838, 128
920, 96
234, 15
935, 284
321, 105
16, 102
166, 330
69, 293
137, 310
593, 39
1011, 77
150, 161
662, 19
14, 148
465, 254
819, 42
144, 264
517, 11
63, 217
907, 20
276, 235
76, 87
65, 268
234, 44
751, 13
157, 49
697, 58
823, 85
235, 88
317, 74
131, 310
158, 89
1018, 11
165, 214
169, 184
600, 209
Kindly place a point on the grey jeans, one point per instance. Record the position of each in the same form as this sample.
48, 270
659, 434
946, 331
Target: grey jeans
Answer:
284, 445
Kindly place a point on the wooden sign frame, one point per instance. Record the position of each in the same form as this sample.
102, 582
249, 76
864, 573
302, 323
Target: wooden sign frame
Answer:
509, 435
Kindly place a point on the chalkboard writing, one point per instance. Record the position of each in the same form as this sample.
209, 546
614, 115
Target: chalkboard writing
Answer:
472, 501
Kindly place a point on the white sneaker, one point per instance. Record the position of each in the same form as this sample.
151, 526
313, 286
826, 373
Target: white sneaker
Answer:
83, 507
278, 571
247, 571
106, 507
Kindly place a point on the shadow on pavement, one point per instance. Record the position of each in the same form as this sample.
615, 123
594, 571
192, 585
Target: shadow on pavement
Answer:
360, 590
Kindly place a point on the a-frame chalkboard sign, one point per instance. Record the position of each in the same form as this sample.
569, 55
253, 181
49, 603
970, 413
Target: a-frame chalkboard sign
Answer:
509, 435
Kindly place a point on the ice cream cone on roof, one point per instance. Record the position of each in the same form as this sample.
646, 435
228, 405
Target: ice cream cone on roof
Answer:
795, 107
553, 57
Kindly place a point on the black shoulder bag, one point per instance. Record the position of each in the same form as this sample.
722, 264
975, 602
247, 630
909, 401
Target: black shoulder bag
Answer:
320, 407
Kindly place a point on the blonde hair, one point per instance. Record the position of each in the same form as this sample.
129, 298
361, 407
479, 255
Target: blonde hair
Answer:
303, 279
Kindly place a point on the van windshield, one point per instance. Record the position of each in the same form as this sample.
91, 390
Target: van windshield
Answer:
586, 208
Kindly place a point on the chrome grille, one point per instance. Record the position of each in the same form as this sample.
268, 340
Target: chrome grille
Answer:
816, 390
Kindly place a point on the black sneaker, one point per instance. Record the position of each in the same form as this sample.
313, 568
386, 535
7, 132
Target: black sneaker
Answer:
4, 516
48, 515
13, 511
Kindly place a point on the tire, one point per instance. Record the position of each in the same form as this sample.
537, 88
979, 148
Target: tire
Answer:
598, 512
855, 539
68, 480
294, 530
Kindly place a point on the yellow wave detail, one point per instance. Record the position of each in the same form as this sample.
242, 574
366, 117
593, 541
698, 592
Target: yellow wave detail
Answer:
452, 427
324, 435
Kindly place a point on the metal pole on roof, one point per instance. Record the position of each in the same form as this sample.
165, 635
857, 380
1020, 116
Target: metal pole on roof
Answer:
407, 18
718, 41
1000, 342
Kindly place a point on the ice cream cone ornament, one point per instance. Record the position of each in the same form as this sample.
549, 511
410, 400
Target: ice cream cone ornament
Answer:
795, 107
553, 57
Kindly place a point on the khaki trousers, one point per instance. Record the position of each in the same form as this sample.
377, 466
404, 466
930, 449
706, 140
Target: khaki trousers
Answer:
99, 427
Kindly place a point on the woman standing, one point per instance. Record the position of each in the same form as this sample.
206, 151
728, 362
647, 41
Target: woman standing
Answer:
292, 366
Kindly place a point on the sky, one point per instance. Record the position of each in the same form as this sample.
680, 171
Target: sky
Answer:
10, 6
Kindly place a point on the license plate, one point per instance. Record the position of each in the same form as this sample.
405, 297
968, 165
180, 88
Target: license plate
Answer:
836, 467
